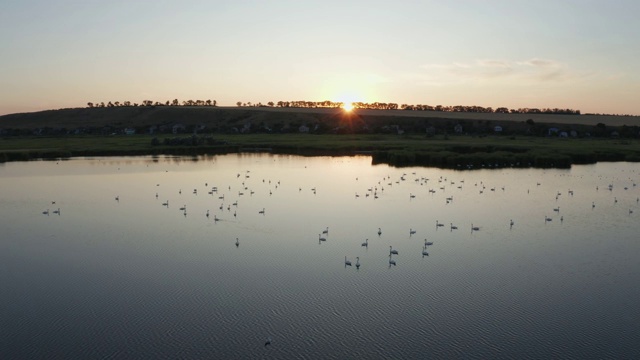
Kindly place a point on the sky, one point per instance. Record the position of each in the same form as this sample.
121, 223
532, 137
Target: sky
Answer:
576, 54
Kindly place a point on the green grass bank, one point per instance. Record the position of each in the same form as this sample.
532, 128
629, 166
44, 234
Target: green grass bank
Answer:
445, 151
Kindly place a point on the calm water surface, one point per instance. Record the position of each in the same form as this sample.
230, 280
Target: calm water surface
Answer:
117, 274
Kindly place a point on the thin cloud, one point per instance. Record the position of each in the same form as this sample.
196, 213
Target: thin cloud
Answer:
534, 70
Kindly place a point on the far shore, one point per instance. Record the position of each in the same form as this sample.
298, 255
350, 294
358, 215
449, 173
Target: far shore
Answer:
395, 137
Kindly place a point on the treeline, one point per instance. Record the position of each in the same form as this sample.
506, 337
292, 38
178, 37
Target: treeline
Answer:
174, 102
419, 107
336, 104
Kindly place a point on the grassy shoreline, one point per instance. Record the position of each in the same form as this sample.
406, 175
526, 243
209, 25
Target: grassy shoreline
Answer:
457, 152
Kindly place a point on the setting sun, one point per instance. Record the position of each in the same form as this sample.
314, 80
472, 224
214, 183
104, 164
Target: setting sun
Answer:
347, 106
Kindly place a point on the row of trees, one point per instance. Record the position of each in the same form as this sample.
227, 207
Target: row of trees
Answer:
357, 105
175, 102
419, 107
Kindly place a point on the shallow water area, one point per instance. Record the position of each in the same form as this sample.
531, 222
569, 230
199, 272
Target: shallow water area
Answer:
116, 269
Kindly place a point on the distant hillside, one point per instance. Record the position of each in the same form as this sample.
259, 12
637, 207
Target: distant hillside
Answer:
266, 119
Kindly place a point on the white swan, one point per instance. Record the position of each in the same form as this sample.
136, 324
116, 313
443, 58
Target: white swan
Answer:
237, 242
57, 211
439, 223
391, 261
320, 238
424, 252
379, 232
453, 227
366, 243
346, 262
474, 228
325, 231
261, 211
427, 243
411, 232
392, 251
357, 263
46, 212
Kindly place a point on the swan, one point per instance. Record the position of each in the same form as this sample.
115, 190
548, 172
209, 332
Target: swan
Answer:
557, 209
207, 213
117, 198
511, 223
379, 232
320, 238
474, 228
237, 242
453, 227
391, 261
357, 263
261, 211
392, 251
46, 212
215, 218
57, 211
325, 231
165, 203
411, 232
346, 262
366, 243
439, 223
424, 252
427, 243
546, 218
184, 207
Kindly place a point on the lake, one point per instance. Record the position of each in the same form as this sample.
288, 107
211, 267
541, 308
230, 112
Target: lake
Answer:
97, 260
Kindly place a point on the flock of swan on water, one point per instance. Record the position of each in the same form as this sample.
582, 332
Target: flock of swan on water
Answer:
374, 192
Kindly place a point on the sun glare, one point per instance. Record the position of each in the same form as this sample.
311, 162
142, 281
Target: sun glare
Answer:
347, 106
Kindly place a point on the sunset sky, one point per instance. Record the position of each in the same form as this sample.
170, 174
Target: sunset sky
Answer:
578, 54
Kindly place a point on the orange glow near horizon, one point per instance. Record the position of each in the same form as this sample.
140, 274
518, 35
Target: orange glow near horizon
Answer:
347, 89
